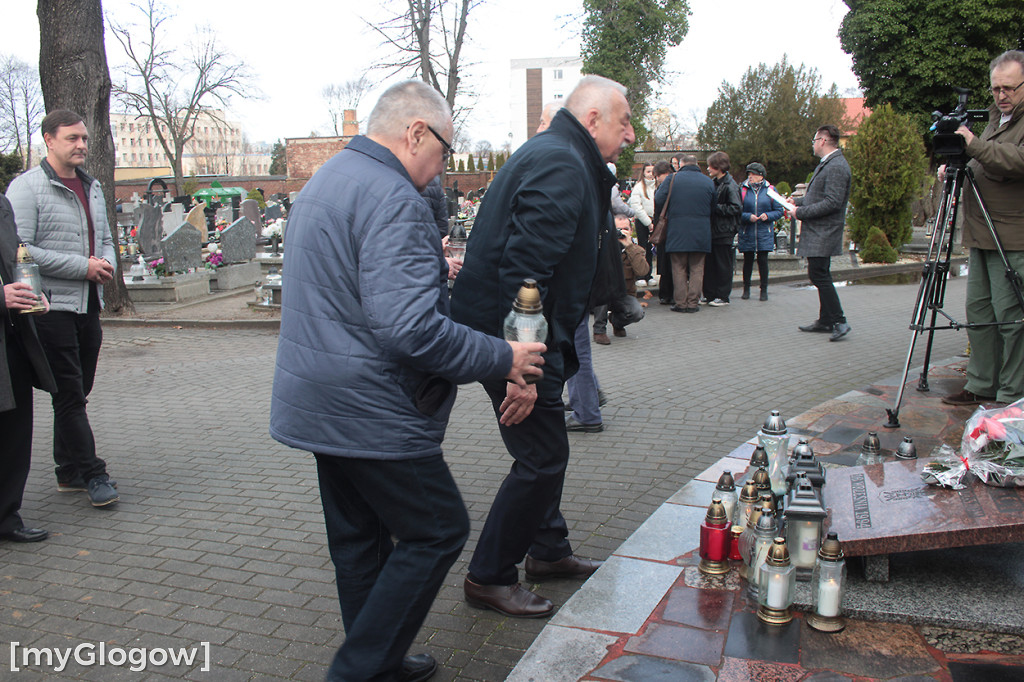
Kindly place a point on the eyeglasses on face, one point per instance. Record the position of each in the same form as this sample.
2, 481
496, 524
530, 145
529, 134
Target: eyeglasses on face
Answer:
1003, 90
447, 148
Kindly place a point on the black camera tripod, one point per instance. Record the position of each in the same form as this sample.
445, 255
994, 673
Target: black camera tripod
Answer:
932, 292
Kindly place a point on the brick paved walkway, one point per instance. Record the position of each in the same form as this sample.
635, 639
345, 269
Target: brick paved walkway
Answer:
219, 537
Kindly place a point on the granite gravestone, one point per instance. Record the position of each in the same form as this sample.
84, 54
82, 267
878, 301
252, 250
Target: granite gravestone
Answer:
197, 219
150, 229
182, 249
251, 210
273, 212
224, 213
887, 508
238, 241
174, 215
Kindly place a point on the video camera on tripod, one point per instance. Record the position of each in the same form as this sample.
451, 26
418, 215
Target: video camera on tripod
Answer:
946, 142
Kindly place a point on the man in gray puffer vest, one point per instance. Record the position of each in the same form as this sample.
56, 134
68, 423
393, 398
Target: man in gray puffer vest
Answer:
367, 364
62, 218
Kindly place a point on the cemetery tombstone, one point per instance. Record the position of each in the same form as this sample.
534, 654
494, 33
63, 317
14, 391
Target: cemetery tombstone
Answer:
251, 210
174, 215
273, 212
197, 218
149, 220
238, 241
182, 249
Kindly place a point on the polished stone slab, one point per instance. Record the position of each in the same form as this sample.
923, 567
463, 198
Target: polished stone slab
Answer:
875, 650
619, 597
678, 642
630, 668
561, 654
671, 531
887, 508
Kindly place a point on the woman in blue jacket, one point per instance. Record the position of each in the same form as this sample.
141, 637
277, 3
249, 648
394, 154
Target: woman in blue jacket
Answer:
760, 212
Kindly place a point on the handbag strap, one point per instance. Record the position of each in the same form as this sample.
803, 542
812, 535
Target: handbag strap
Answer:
664, 207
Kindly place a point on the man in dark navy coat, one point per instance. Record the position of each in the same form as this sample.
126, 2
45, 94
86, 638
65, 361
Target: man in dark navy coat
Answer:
540, 219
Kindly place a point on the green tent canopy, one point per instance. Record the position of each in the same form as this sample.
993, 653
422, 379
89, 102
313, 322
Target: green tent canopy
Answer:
217, 192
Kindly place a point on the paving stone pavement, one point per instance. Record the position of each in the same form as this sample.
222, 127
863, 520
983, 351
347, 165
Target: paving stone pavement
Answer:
219, 537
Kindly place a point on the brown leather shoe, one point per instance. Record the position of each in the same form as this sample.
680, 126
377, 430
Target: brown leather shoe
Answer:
965, 397
510, 600
602, 339
571, 566
618, 331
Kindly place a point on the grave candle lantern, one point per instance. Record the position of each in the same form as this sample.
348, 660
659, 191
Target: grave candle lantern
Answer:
759, 458
736, 532
760, 543
804, 519
906, 449
776, 578
747, 502
715, 538
725, 490
827, 585
747, 541
870, 451
774, 437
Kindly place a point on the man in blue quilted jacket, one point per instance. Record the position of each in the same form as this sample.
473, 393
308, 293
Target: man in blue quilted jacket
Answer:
367, 366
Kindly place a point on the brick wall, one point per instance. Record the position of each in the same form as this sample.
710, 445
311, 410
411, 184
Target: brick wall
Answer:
271, 184
305, 155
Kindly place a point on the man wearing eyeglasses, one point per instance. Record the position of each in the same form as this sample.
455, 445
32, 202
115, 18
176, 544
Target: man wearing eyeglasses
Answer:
995, 371
367, 364
822, 212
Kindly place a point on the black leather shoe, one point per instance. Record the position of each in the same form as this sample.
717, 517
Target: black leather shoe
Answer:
417, 668
567, 567
817, 326
25, 534
840, 330
679, 309
510, 600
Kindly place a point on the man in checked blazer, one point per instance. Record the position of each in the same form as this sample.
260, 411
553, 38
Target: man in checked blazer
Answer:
822, 212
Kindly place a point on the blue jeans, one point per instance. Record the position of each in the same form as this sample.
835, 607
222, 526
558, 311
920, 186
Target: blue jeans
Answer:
583, 385
386, 589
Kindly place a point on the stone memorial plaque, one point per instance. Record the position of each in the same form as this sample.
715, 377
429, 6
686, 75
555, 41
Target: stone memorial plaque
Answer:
173, 217
182, 249
150, 229
273, 212
251, 210
887, 508
238, 241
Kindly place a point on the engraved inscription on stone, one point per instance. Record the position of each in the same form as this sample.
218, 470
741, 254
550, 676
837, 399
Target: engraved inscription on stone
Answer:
861, 510
902, 495
971, 504
1009, 505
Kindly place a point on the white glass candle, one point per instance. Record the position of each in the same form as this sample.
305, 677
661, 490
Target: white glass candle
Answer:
804, 547
829, 593
777, 597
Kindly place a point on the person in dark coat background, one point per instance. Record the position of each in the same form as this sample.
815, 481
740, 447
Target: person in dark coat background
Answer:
540, 219
822, 212
688, 235
22, 366
724, 221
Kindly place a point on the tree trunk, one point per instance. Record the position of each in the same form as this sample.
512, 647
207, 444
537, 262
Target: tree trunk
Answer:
73, 75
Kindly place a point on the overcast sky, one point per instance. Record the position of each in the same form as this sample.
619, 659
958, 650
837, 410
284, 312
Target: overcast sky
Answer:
296, 47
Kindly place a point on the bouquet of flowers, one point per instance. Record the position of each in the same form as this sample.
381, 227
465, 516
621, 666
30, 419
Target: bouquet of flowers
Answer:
214, 260
274, 229
992, 449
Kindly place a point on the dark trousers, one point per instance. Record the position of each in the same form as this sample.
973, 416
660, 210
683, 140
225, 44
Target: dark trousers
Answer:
643, 238
762, 268
718, 269
830, 310
386, 589
625, 310
525, 515
666, 288
72, 345
15, 436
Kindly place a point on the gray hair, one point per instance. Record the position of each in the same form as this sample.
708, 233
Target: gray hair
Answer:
592, 93
404, 102
1015, 56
